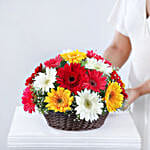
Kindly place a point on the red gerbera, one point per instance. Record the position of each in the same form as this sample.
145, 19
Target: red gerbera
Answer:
30, 79
55, 62
98, 57
124, 93
116, 77
27, 100
38, 69
71, 77
90, 53
108, 62
95, 81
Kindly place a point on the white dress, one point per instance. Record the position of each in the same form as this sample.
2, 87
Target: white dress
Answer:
129, 18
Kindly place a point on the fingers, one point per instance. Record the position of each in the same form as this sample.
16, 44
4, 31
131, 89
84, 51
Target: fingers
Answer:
126, 106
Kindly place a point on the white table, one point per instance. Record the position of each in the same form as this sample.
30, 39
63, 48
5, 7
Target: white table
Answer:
30, 132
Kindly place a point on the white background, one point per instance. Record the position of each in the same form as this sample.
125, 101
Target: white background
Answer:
31, 31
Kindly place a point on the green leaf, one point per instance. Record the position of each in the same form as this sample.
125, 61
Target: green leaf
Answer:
83, 63
62, 63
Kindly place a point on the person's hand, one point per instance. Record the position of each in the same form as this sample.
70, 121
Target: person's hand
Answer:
133, 94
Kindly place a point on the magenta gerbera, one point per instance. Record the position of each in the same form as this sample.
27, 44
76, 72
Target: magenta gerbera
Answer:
55, 62
27, 100
95, 81
71, 77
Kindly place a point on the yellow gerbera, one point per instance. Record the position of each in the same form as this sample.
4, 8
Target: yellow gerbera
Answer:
59, 100
113, 97
74, 56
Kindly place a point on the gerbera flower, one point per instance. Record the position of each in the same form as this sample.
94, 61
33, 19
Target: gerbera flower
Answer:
30, 79
38, 69
113, 97
53, 62
74, 56
116, 77
98, 57
89, 105
90, 53
90, 63
124, 93
99, 65
59, 100
27, 100
71, 77
95, 81
45, 81
108, 62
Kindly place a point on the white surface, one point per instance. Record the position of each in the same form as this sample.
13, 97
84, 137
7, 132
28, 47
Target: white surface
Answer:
31, 132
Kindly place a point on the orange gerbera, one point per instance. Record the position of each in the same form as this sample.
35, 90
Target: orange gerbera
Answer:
113, 97
59, 100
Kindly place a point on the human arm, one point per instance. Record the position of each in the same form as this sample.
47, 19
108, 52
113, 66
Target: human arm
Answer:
118, 53
119, 50
134, 93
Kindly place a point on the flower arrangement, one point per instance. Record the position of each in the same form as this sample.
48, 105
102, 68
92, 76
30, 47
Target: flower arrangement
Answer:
77, 85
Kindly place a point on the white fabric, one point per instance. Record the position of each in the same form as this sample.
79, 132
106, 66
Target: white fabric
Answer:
129, 18
116, 18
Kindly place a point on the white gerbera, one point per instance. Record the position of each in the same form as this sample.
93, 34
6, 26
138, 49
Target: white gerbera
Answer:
91, 62
99, 65
89, 105
46, 80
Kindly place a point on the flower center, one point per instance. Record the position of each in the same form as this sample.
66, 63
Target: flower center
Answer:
93, 83
111, 95
47, 81
59, 100
97, 67
71, 79
87, 104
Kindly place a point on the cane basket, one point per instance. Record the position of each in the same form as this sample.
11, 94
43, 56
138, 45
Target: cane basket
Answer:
68, 122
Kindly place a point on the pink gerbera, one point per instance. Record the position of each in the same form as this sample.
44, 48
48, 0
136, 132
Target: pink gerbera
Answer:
27, 100
95, 81
55, 62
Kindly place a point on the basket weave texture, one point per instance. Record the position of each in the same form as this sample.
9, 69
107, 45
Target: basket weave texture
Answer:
68, 122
